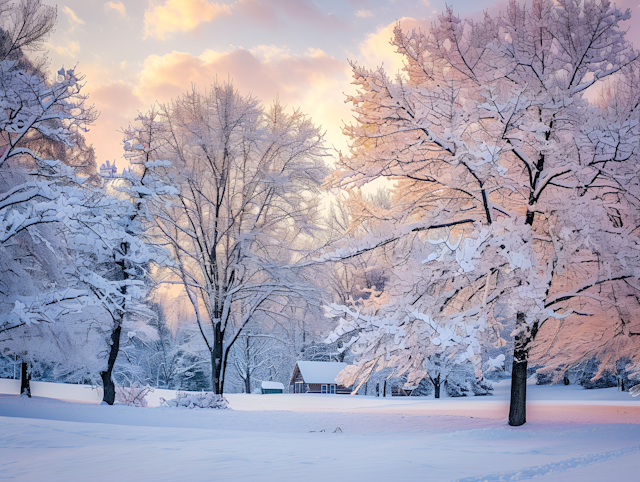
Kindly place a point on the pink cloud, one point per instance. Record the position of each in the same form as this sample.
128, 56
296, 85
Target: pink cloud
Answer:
180, 16
376, 50
269, 13
289, 76
117, 105
313, 81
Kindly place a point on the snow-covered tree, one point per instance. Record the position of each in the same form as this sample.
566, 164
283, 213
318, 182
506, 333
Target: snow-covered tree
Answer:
24, 26
502, 163
38, 194
389, 335
62, 222
248, 181
258, 357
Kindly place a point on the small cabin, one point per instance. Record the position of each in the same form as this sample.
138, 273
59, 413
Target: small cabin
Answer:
271, 387
317, 377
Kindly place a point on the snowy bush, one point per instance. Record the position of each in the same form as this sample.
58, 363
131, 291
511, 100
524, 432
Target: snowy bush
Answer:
424, 388
590, 376
197, 400
546, 378
462, 382
134, 396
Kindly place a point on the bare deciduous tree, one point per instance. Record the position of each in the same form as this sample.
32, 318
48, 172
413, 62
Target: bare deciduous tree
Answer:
248, 181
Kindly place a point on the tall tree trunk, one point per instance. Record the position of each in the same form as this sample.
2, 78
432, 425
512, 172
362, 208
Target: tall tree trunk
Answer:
108, 386
436, 386
247, 381
518, 405
109, 395
525, 336
523, 340
25, 376
216, 361
247, 373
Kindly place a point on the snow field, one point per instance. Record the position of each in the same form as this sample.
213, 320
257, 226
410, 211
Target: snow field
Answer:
572, 434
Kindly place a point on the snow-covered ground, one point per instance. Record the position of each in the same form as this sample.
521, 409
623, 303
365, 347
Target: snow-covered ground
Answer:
572, 434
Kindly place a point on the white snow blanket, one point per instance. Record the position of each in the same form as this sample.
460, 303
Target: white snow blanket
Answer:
571, 434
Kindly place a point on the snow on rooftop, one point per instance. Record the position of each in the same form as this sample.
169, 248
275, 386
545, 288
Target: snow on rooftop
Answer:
320, 372
273, 386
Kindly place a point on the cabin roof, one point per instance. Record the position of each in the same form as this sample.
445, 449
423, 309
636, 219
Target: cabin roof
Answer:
320, 372
273, 386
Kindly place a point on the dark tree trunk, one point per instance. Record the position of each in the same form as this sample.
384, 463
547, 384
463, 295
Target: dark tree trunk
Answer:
247, 382
216, 361
109, 395
247, 370
523, 341
436, 386
384, 389
109, 387
518, 406
25, 376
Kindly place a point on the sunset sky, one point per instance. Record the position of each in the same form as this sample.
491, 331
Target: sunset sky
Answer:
136, 52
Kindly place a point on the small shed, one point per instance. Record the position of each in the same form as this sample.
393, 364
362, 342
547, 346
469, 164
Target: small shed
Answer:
317, 377
272, 387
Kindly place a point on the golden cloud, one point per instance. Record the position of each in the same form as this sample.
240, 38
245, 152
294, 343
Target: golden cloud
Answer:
73, 18
180, 16
364, 13
117, 6
314, 81
376, 50
70, 50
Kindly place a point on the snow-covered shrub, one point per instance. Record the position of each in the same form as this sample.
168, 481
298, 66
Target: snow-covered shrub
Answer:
458, 388
556, 376
462, 382
196, 400
546, 378
134, 396
589, 376
607, 380
424, 388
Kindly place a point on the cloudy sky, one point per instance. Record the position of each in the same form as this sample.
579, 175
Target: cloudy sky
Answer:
137, 52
